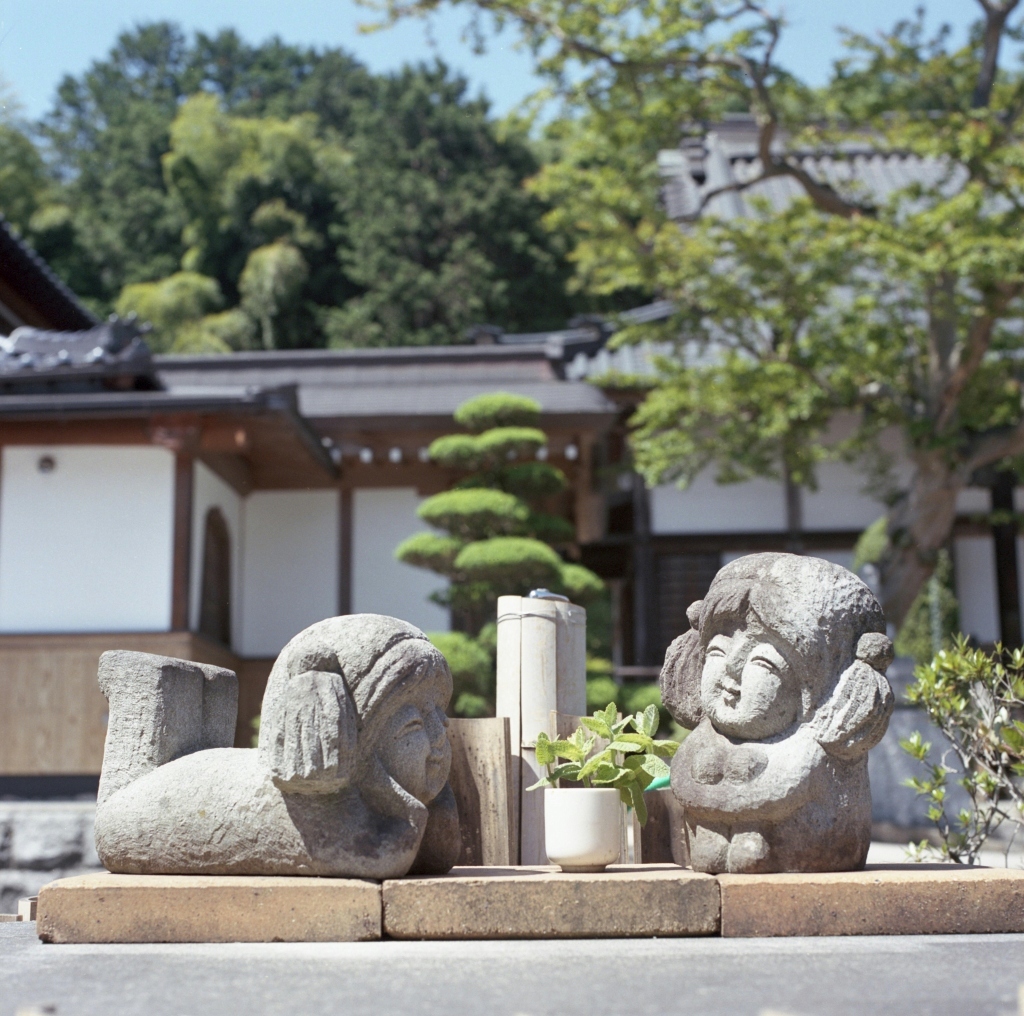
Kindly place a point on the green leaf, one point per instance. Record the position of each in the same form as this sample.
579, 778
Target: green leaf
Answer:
568, 771
545, 750
639, 804
655, 767
624, 746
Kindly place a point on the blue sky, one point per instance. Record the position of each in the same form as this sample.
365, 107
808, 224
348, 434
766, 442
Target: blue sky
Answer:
41, 40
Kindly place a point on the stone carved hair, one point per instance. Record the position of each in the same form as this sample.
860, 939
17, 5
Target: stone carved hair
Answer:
325, 690
830, 620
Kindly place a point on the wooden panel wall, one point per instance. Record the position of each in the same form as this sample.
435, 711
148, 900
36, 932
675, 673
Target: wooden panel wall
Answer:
52, 713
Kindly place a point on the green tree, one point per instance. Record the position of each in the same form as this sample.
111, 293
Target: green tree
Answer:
399, 193
499, 531
891, 313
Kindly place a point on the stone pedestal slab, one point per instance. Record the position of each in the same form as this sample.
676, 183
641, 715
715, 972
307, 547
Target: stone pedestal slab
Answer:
905, 899
542, 902
211, 908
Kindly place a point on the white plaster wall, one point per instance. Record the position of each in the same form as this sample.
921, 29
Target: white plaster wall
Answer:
840, 501
975, 564
975, 499
210, 491
709, 507
88, 546
382, 518
289, 566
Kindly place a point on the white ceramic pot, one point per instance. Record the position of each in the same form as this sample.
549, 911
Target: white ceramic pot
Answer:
582, 827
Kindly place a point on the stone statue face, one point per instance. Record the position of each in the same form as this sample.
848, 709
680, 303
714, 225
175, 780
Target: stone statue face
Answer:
749, 688
413, 743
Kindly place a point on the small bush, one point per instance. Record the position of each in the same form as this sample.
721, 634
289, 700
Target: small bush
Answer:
977, 700
428, 550
504, 444
456, 451
531, 562
498, 409
475, 514
581, 585
533, 481
601, 691
472, 669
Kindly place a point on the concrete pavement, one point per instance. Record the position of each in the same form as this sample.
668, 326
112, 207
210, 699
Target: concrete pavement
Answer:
919, 976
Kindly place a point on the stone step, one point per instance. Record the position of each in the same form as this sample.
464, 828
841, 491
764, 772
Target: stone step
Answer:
532, 902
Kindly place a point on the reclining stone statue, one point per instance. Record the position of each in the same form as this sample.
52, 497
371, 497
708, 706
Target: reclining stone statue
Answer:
350, 776
781, 679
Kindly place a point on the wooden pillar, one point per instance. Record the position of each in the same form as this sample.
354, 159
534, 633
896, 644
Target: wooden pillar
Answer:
1004, 533
794, 516
182, 554
644, 620
345, 551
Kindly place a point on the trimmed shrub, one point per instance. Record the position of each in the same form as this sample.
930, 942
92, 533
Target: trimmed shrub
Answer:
533, 481
517, 560
580, 584
601, 691
475, 514
505, 444
429, 550
498, 409
456, 451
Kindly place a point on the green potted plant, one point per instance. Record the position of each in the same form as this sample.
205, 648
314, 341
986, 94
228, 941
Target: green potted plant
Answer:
582, 826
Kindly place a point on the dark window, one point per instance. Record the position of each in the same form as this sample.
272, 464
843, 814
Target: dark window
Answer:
215, 596
681, 579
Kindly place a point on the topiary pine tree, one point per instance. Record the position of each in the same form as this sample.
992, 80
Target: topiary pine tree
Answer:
497, 534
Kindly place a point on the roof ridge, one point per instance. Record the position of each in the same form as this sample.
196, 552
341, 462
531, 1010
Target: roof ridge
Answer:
42, 268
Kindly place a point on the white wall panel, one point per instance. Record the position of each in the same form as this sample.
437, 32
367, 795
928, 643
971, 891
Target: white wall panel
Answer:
840, 501
975, 563
289, 566
210, 491
382, 518
975, 499
709, 507
88, 545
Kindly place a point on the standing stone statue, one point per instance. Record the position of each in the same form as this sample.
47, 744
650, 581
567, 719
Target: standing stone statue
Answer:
350, 777
781, 679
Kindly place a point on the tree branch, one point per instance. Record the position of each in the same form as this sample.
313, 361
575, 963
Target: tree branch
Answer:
996, 15
992, 447
979, 338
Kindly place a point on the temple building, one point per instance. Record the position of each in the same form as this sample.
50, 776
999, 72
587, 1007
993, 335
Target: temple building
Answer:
210, 507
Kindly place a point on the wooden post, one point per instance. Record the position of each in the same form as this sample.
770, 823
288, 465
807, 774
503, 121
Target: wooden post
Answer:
1004, 535
182, 555
481, 778
541, 669
345, 551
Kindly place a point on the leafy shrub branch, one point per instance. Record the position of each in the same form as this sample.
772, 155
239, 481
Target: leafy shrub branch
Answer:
977, 700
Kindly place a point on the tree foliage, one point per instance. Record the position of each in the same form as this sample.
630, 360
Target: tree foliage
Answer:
500, 524
331, 206
890, 313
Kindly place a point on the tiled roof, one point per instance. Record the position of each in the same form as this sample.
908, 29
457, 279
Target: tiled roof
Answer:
393, 383
728, 154
111, 355
34, 281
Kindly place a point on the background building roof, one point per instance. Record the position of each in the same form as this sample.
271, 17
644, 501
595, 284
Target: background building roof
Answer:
31, 293
398, 384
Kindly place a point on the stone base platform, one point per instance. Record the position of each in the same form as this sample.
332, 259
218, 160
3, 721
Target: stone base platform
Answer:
626, 901
207, 908
523, 902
